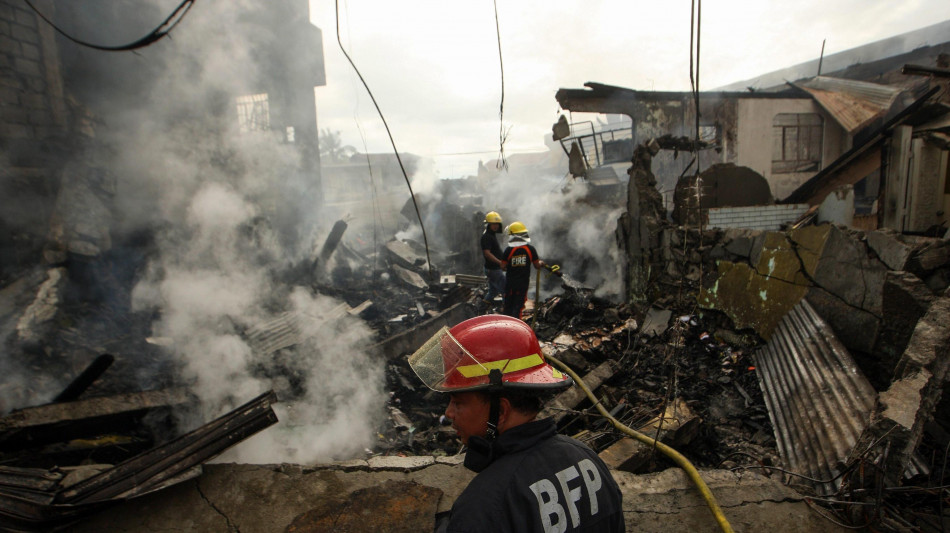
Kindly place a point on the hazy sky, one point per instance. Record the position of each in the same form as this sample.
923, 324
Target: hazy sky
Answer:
433, 66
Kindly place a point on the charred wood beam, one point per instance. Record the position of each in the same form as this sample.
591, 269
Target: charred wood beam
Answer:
35, 499
59, 422
919, 70
151, 469
333, 239
85, 379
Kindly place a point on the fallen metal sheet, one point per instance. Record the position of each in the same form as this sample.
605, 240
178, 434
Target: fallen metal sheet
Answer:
33, 499
278, 333
290, 328
818, 400
407, 341
467, 280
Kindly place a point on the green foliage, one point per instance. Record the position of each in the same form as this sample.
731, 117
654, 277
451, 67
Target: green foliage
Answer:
332, 149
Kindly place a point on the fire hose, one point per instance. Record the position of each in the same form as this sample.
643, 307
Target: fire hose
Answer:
677, 457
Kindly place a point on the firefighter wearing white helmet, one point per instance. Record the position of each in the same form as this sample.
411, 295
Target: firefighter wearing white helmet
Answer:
517, 260
491, 252
530, 478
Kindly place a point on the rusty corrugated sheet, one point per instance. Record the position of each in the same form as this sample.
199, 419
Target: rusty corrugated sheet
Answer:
818, 400
854, 104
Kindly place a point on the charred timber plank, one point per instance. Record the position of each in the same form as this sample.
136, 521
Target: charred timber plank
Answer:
40, 479
358, 310
573, 397
409, 340
333, 239
92, 408
36, 426
140, 474
85, 379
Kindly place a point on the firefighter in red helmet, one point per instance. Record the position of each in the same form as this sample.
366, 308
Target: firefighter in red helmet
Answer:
529, 478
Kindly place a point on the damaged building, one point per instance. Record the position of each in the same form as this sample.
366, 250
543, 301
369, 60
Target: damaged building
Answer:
200, 334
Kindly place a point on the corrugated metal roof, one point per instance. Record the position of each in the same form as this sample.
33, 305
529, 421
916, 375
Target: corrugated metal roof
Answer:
854, 104
818, 400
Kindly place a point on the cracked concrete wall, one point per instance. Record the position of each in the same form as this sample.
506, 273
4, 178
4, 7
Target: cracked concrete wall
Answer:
759, 293
920, 379
848, 277
389, 494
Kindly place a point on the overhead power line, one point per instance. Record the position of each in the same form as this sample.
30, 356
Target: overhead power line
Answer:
405, 175
159, 32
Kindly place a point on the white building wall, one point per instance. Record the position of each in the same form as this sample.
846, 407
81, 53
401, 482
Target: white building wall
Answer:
754, 139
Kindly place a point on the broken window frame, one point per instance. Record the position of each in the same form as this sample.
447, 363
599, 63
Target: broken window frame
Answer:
710, 134
797, 140
253, 112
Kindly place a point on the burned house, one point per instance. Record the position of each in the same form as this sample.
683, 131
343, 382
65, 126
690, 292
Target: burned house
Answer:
788, 133
177, 222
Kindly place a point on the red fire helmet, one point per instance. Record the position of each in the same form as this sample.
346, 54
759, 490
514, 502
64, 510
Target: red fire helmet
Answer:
461, 358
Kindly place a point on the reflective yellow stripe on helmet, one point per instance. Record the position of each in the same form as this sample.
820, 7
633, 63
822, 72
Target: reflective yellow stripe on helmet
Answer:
505, 365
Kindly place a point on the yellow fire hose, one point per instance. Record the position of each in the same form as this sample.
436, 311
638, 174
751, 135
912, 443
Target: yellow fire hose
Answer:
677, 457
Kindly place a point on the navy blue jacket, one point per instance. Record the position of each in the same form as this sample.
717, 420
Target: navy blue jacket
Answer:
539, 481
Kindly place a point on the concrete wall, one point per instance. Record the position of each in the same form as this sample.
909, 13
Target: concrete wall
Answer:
760, 217
755, 139
31, 90
396, 494
32, 125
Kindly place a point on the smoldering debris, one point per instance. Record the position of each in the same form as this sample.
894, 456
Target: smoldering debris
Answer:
40, 498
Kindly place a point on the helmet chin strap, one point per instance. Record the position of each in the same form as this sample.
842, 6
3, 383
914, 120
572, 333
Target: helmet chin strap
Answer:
494, 390
481, 451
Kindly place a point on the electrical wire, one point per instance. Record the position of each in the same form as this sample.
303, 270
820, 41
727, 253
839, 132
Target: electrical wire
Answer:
377, 215
677, 457
696, 9
405, 175
171, 21
502, 134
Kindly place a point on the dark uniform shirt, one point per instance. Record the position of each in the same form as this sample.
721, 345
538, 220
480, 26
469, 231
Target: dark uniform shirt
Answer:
519, 259
539, 481
490, 243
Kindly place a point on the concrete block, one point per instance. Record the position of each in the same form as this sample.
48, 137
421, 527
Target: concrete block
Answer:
846, 271
905, 300
25, 17
31, 100
855, 328
934, 255
889, 248
24, 34
921, 376
15, 131
30, 51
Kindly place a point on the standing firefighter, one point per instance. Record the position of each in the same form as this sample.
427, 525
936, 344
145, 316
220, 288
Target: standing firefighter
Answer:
517, 260
530, 478
491, 251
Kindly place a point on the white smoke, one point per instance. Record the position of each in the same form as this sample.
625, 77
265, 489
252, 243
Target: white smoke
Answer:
216, 194
564, 225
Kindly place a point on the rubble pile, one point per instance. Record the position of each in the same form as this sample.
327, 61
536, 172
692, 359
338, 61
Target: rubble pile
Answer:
676, 358
647, 359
